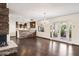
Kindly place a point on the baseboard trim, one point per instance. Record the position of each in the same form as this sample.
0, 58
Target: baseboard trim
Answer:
57, 41
42, 37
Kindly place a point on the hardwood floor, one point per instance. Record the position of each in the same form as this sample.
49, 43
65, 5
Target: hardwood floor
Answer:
43, 47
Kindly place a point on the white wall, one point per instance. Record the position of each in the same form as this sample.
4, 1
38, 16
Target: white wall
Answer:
73, 19
12, 26
12, 23
46, 32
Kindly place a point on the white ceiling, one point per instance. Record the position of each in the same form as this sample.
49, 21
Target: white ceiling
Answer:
36, 10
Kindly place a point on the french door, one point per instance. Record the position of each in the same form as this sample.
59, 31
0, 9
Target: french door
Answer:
61, 30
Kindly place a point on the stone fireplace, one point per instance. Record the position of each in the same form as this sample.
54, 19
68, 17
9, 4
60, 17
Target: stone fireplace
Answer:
4, 24
7, 46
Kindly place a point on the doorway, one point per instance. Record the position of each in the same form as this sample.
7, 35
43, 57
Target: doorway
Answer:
61, 30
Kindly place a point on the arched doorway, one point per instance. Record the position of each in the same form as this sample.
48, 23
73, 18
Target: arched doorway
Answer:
61, 30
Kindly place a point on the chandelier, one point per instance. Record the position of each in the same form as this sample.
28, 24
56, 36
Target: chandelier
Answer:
44, 21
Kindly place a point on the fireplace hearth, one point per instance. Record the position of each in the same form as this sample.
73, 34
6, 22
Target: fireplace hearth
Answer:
3, 40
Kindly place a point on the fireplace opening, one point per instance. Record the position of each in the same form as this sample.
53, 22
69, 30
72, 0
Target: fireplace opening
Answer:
3, 40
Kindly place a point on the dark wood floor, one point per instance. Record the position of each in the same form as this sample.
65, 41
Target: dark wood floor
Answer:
43, 47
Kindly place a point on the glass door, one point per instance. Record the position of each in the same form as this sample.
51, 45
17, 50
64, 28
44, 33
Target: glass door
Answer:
61, 30
54, 30
70, 32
